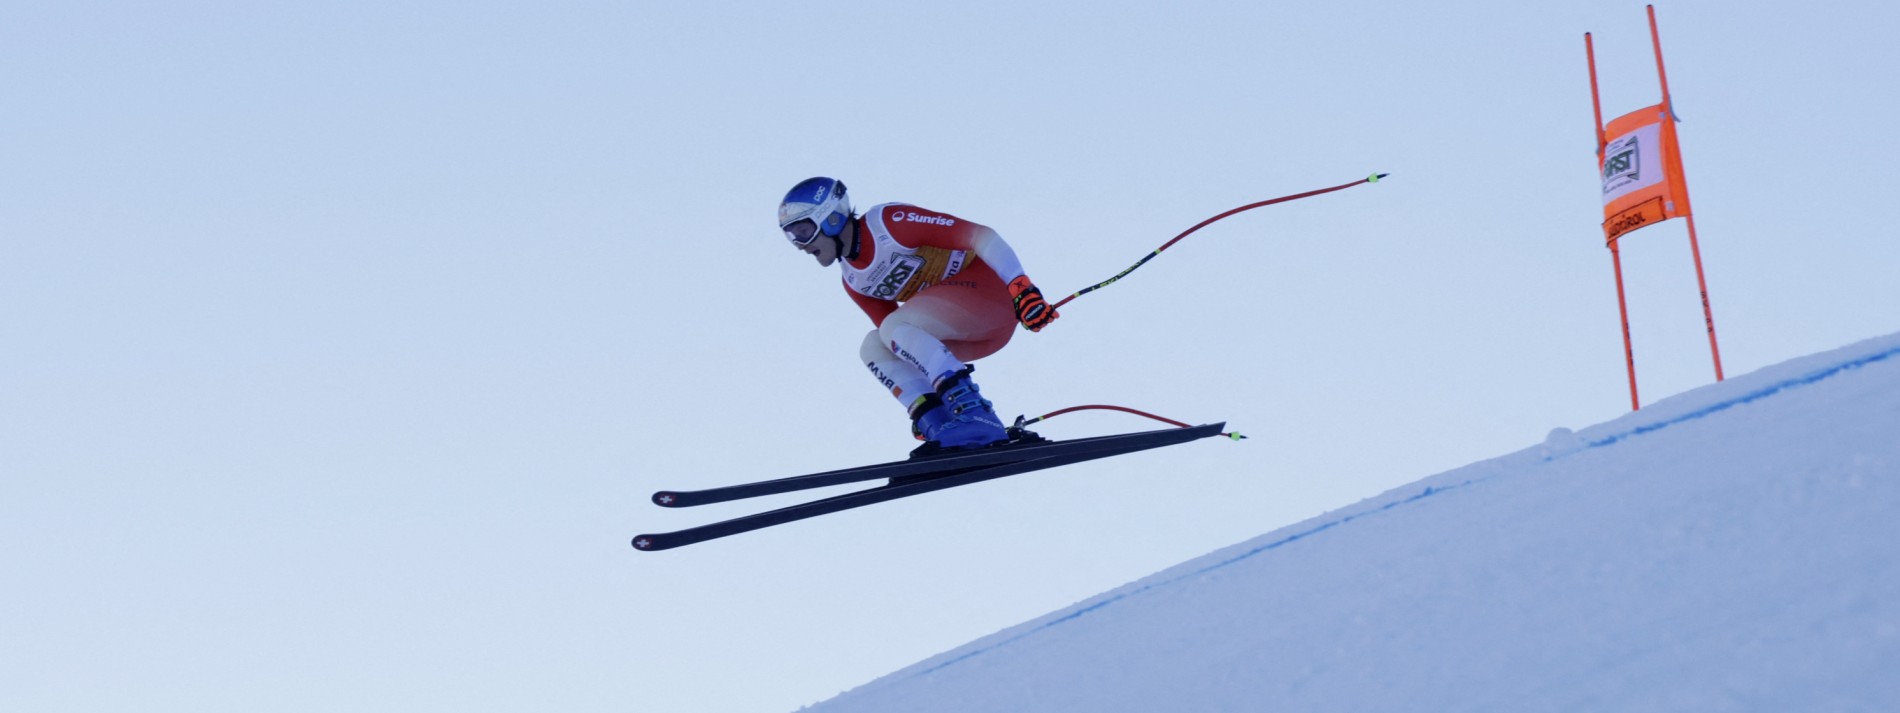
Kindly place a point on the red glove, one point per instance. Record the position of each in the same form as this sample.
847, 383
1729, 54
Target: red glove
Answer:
1031, 309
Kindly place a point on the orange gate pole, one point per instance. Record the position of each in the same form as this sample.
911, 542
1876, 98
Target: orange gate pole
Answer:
1616, 258
1695, 249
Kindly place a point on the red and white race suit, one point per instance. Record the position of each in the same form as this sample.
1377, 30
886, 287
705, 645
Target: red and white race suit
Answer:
936, 287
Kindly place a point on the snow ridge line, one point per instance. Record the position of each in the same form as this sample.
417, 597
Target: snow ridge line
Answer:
1429, 491
1749, 397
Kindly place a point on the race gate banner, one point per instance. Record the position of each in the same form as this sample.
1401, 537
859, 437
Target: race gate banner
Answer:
1642, 172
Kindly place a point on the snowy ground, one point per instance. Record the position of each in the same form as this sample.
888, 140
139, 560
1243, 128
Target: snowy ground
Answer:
1731, 548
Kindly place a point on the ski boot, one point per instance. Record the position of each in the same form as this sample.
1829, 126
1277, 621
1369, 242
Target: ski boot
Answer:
926, 413
956, 417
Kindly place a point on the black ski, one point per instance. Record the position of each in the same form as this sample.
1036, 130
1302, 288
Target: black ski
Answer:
1029, 458
946, 464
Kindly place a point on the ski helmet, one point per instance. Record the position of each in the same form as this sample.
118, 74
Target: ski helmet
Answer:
816, 205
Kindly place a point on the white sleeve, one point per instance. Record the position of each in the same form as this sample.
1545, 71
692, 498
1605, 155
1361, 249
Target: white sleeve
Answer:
990, 248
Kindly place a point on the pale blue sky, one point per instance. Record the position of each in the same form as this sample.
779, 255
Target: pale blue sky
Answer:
343, 342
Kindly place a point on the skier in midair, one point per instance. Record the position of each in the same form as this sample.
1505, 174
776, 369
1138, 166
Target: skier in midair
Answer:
942, 291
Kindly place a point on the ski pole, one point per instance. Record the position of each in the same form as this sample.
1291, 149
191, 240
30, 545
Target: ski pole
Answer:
1374, 178
1022, 421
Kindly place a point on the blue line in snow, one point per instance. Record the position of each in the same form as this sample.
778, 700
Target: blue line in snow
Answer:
1747, 398
1428, 492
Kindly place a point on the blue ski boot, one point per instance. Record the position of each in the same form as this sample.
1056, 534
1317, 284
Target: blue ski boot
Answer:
927, 414
964, 419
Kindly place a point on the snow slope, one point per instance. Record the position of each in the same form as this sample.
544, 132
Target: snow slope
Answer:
1731, 548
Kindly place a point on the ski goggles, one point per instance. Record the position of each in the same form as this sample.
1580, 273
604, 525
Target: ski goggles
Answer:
802, 232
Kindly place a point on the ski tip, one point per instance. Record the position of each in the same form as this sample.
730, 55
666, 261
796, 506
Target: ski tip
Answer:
666, 499
645, 543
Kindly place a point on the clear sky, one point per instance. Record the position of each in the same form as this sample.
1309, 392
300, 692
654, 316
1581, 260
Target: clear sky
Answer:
343, 342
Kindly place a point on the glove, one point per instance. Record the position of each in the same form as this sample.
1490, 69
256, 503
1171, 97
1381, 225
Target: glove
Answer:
1031, 309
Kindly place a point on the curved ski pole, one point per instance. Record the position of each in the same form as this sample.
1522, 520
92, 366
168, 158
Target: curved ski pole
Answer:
1023, 421
1374, 178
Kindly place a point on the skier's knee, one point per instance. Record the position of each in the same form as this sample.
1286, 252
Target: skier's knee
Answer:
874, 348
